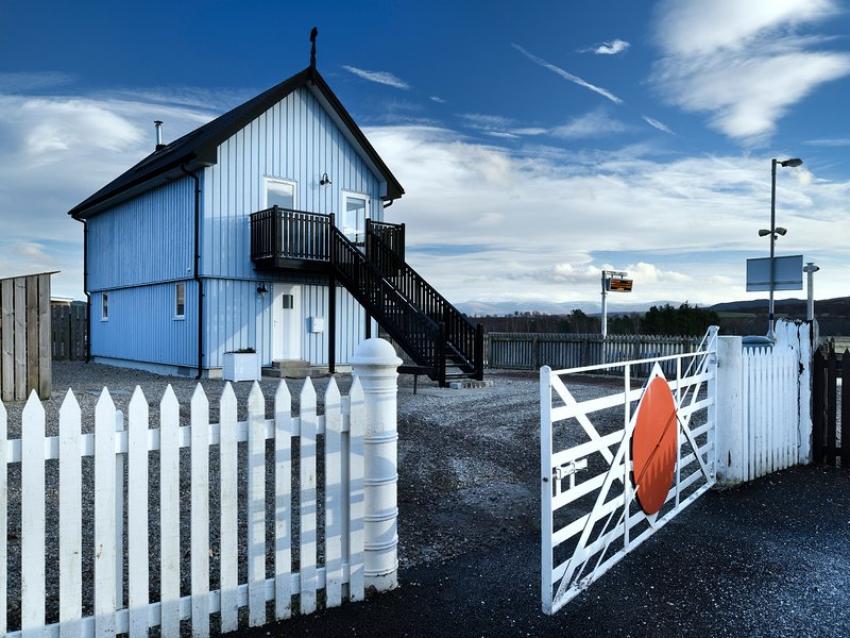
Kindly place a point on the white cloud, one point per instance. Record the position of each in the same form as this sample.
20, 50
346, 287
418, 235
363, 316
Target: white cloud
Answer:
567, 75
487, 223
613, 47
380, 77
743, 63
437, 99
661, 126
483, 221
54, 152
593, 124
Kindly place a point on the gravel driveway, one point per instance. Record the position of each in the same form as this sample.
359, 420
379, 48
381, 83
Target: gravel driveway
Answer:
468, 466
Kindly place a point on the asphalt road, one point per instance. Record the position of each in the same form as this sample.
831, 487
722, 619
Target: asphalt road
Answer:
771, 558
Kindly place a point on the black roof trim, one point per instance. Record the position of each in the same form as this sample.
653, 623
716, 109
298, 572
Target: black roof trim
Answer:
199, 147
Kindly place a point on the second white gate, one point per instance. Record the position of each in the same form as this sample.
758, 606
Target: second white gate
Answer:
604, 496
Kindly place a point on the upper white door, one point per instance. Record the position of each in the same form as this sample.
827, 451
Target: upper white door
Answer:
279, 192
355, 208
286, 322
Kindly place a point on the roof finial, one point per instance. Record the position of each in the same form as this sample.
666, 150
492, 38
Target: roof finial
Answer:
313, 35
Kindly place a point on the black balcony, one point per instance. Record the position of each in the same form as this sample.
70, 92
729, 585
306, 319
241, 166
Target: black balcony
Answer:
291, 239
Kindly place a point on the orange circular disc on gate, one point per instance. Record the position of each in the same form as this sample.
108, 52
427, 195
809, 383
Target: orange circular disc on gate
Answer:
654, 445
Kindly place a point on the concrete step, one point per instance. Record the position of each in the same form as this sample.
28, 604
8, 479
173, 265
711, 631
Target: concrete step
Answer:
295, 372
282, 364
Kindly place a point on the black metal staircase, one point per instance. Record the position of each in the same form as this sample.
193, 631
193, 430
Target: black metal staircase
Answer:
436, 336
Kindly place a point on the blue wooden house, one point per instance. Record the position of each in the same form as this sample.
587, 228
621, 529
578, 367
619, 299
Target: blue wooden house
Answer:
263, 229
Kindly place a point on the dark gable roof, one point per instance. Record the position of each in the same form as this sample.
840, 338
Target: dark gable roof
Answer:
200, 147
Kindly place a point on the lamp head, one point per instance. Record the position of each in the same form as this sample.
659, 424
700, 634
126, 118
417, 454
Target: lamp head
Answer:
794, 162
764, 232
781, 231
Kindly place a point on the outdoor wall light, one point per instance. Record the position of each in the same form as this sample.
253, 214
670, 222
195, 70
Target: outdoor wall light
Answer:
262, 290
325, 181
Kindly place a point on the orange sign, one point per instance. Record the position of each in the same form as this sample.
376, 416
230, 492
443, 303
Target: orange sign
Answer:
654, 446
620, 285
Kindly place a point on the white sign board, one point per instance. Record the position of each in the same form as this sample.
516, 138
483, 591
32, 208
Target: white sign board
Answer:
787, 274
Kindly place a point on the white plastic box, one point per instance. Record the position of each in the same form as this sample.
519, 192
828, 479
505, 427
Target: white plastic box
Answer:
241, 366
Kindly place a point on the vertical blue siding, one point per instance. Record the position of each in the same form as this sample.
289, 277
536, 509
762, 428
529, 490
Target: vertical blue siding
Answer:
236, 317
295, 140
141, 325
147, 239
243, 319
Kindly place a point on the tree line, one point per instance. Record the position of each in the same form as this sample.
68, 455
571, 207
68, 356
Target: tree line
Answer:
685, 320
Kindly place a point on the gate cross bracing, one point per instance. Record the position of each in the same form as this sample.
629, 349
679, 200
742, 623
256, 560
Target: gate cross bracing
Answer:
579, 542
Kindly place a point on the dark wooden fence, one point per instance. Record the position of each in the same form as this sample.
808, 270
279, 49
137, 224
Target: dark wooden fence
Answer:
831, 408
69, 330
25, 357
529, 351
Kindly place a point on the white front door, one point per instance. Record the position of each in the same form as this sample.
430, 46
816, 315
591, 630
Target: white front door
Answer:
354, 213
286, 322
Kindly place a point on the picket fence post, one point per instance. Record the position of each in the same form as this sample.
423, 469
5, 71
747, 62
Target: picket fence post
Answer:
375, 364
730, 425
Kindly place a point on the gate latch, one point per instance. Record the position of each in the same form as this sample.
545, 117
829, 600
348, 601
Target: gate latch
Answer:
570, 469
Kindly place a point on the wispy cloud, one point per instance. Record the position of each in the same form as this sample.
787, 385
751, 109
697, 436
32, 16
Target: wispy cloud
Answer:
743, 63
593, 124
661, 126
380, 77
614, 47
33, 81
567, 75
829, 142
437, 99
500, 126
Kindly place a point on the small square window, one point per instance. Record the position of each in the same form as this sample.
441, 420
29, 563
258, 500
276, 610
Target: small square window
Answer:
179, 301
288, 302
104, 306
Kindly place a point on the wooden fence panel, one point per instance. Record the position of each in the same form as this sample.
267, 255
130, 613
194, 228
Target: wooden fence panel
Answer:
7, 361
25, 334
831, 408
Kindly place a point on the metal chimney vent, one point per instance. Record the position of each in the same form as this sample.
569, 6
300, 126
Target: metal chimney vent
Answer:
159, 144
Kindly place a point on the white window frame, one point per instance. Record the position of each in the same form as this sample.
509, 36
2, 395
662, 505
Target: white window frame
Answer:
177, 315
354, 194
104, 306
268, 179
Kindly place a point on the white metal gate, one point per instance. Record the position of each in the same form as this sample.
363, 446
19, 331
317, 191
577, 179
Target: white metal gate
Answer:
589, 525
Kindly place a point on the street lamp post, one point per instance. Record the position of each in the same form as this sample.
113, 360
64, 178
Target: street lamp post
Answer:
773, 232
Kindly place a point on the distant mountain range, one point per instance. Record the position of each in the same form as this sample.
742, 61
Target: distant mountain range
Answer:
502, 308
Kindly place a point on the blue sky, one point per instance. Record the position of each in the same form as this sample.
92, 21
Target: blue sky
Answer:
537, 142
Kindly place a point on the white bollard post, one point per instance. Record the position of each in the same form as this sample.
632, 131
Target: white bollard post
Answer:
731, 435
375, 364
804, 394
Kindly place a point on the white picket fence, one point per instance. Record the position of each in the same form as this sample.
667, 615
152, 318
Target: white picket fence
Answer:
764, 404
769, 388
340, 575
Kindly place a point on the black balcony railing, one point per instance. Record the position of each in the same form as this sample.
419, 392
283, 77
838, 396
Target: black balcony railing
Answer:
279, 234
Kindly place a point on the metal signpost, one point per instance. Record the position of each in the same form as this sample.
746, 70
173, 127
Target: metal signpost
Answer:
614, 281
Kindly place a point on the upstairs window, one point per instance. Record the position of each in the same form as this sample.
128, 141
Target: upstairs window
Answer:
280, 193
179, 301
104, 306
